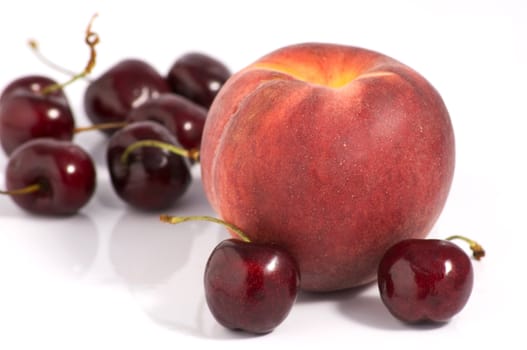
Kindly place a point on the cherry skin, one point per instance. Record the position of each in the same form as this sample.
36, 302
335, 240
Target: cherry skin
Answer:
64, 172
35, 84
423, 280
26, 113
198, 77
126, 85
183, 118
152, 178
250, 286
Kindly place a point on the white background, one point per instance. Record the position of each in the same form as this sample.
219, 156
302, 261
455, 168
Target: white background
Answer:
114, 278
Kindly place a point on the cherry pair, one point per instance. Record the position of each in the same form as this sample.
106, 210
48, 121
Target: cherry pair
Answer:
253, 286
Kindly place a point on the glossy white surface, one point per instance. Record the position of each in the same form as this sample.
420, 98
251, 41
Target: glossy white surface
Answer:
115, 278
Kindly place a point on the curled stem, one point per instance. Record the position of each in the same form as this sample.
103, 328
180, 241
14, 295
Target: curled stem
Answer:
191, 154
477, 250
91, 39
25, 190
179, 219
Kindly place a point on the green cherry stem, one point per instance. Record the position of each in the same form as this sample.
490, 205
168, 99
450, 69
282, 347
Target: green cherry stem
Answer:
101, 126
34, 46
191, 154
91, 39
179, 219
25, 190
477, 250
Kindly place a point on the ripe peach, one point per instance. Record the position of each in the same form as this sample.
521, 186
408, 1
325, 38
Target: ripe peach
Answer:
333, 152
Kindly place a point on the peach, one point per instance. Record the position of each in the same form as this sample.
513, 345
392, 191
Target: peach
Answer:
334, 153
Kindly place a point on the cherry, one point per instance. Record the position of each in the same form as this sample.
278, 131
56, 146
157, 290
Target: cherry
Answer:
182, 117
50, 177
148, 178
27, 114
248, 286
423, 280
198, 77
126, 85
34, 46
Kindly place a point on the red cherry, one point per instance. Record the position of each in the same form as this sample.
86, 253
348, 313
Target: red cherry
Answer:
150, 178
182, 117
425, 280
248, 286
198, 77
61, 174
128, 84
26, 115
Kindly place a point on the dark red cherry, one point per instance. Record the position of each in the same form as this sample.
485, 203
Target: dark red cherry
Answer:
422, 280
182, 117
26, 114
127, 85
64, 173
250, 286
198, 77
34, 84
151, 178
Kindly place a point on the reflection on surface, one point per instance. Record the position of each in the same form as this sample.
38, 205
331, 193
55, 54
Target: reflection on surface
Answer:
162, 264
106, 196
95, 144
179, 303
65, 247
146, 252
364, 305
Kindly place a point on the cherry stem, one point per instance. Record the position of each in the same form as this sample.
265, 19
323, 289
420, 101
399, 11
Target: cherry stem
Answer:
101, 126
179, 219
26, 190
477, 250
33, 44
191, 154
91, 39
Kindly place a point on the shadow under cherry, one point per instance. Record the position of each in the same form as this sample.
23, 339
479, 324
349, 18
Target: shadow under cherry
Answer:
365, 306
